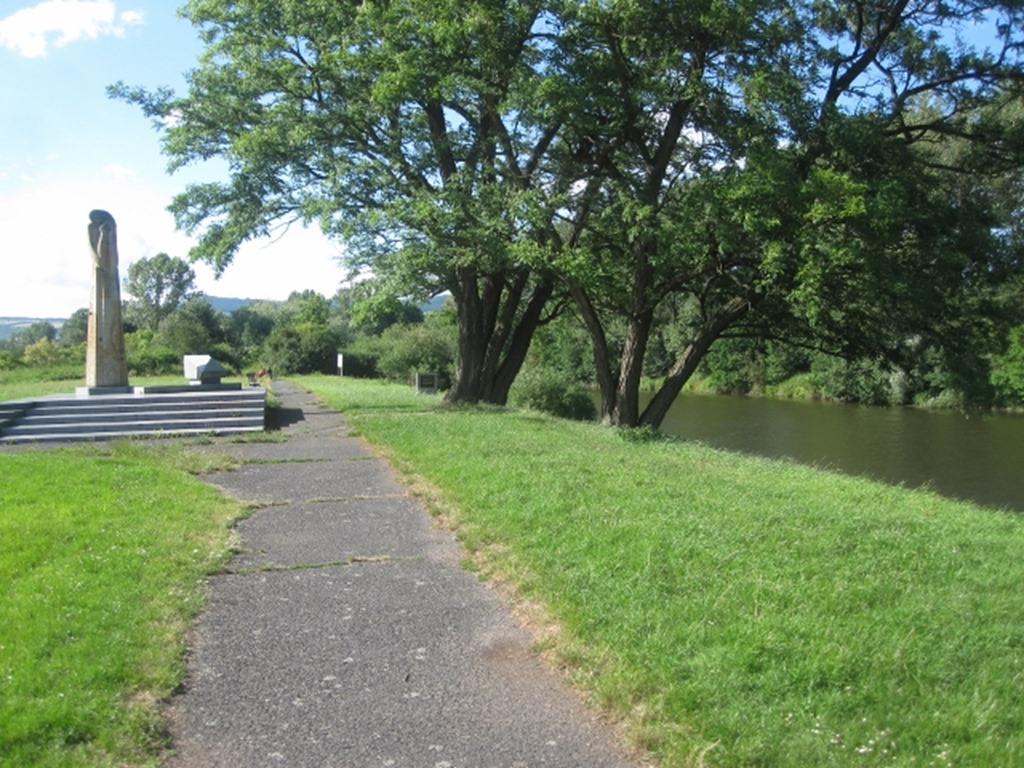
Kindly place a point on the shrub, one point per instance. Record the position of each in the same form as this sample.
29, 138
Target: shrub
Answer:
8, 360
147, 356
46, 353
405, 349
302, 349
1008, 369
544, 390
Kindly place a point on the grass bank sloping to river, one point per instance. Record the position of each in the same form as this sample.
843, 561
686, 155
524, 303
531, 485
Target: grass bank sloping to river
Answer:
735, 611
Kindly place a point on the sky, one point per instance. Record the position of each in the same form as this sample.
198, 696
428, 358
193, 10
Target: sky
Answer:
66, 149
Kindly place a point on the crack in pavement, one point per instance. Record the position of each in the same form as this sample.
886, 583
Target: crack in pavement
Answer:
280, 568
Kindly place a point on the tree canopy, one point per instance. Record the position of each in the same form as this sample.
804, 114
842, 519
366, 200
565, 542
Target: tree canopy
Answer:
772, 167
159, 285
810, 170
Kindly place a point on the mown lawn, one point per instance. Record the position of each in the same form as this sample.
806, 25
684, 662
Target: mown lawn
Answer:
103, 558
734, 611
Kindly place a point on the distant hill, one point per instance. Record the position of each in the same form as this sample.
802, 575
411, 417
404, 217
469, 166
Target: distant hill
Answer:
435, 303
227, 305
11, 325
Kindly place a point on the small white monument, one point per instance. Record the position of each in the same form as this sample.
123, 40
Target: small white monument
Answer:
203, 370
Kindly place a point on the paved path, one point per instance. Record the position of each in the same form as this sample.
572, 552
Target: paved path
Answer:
346, 634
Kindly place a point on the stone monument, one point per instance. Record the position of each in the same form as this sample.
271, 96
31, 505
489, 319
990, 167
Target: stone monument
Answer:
105, 363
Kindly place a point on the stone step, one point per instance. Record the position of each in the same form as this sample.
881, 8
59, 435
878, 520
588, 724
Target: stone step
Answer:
104, 423
46, 437
104, 417
143, 410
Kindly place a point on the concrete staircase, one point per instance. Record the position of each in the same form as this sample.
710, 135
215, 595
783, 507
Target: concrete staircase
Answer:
163, 411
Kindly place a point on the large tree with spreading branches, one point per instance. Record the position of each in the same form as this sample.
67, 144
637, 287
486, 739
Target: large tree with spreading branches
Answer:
766, 166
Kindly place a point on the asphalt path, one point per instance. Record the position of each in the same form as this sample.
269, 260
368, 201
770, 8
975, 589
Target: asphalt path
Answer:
345, 633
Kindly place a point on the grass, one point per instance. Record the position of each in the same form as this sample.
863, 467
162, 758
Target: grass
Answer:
21, 383
733, 611
103, 558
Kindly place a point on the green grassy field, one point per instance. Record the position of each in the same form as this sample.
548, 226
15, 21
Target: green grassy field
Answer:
733, 611
103, 554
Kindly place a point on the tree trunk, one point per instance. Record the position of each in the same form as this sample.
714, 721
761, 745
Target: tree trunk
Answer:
606, 381
494, 335
688, 361
522, 336
625, 411
472, 345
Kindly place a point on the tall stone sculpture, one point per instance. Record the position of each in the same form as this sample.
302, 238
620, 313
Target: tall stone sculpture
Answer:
105, 362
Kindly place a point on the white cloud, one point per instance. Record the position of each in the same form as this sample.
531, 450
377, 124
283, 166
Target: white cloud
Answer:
30, 31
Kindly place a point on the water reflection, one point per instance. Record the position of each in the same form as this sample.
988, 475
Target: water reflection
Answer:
973, 457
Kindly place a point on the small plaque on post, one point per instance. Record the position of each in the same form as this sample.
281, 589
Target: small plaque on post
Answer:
426, 383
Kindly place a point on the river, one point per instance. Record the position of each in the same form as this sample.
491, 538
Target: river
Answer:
977, 457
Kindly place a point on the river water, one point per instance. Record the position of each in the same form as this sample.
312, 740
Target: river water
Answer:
977, 457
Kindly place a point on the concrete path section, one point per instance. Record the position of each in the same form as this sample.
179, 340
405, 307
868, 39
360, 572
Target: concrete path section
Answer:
345, 633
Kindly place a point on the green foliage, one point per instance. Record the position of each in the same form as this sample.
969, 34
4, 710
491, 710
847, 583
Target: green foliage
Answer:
360, 358
247, 328
307, 308
75, 329
1008, 370
301, 339
860, 381
402, 350
41, 330
46, 353
147, 354
196, 329
301, 349
373, 312
561, 347
161, 284
549, 391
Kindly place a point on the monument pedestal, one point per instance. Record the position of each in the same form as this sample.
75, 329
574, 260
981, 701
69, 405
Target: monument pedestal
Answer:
94, 391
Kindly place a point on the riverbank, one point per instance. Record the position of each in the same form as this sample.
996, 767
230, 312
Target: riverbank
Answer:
733, 610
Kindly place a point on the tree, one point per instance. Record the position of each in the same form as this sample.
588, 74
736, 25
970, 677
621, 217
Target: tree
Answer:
160, 285
762, 160
248, 328
47, 353
40, 330
301, 340
196, 329
413, 129
428, 346
75, 329
761, 163
301, 349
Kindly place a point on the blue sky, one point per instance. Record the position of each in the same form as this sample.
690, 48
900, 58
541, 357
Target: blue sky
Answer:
65, 148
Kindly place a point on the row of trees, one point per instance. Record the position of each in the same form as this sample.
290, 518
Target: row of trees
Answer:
167, 318
842, 176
